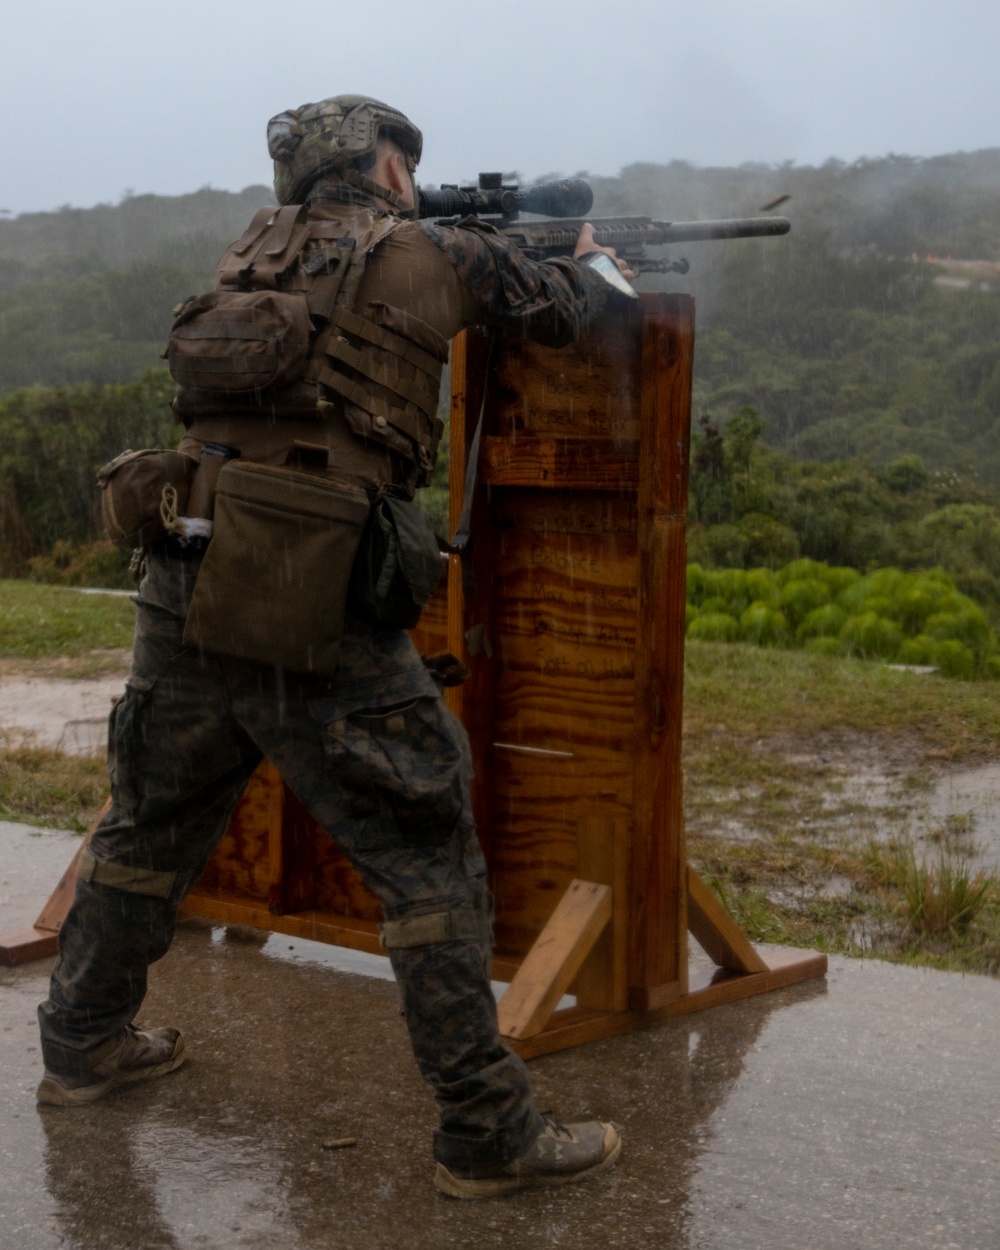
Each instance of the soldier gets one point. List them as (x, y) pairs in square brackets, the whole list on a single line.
[(371, 750)]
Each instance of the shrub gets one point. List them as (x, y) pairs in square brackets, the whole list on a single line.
[(762, 586), (799, 570), (838, 579), (953, 659), (919, 650), (944, 897), (889, 614), (763, 626), (871, 637), (824, 646), (798, 598), (968, 627), (823, 622), (714, 627), (83, 564)]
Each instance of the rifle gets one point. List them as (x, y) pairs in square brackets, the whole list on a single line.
[(501, 204)]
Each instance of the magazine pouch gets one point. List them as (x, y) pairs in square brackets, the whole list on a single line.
[(398, 565), (274, 581)]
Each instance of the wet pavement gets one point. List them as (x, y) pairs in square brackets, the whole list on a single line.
[(851, 1115)]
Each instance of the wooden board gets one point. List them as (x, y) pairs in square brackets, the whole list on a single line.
[(556, 957)]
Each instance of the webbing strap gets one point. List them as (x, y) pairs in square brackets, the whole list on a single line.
[(380, 373), (328, 230), (418, 931), (381, 337), (263, 363), (122, 877), (358, 180), (226, 330), (411, 426)]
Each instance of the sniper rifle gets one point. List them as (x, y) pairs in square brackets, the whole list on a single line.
[(500, 204)]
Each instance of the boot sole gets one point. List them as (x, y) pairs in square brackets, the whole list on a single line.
[(53, 1094), (497, 1186)]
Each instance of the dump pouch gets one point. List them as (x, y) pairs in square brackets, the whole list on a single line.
[(398, 565), (274, 581), (141, 491)]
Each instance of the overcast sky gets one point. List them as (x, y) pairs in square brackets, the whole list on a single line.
[(103, 96)]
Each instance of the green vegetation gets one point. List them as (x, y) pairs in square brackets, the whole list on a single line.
[(42, 622), (39, 786), (86, 294), (902, 618), (753, 506), (52, 442), (807, 784)]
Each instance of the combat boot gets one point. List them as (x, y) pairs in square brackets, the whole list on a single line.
[(138, 1057), (561, 1155)]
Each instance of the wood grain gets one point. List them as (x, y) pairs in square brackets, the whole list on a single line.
[(716, 932), (659, 894), (555, 958), (575, 1026)]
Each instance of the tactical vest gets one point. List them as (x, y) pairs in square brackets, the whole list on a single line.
[(280, 335)]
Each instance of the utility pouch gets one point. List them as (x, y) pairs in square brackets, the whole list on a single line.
[(274, 581), (141, 491), (398, 565), (234, 342)]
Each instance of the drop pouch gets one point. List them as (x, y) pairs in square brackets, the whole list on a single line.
[(274, 580), (140, 490), (398, 565)]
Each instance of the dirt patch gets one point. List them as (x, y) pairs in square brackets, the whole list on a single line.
[(64, 715), (103, 662)]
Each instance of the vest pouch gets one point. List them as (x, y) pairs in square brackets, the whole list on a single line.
[(398, 565), (273, 584), (141, 491), (233, 342)]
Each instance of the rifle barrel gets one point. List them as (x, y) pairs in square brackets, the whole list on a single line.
[(633, 232), (733, 228)]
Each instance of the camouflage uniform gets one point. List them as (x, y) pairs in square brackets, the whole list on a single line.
[(374, 755)]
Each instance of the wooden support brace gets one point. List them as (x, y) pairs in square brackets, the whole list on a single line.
[(24, 945), (716, 932), (554, 960)]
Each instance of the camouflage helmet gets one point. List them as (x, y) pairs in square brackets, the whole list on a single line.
[(329, 137)]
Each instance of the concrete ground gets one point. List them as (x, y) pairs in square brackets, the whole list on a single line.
[(854, 1114)]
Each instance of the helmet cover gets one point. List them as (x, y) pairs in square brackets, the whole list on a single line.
[(319, 139)]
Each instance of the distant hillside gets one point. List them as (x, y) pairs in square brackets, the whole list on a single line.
[(944, 205), (188, 229), (86, 294), (842, 338)]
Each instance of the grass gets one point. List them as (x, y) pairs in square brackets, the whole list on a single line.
[(749, 691), (50, 631), (40, 622), (39, 786), (806, 783)]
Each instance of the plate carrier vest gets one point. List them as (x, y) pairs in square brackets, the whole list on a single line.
[(280, 331)]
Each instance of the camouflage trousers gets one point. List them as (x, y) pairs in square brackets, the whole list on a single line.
[(380, 763)]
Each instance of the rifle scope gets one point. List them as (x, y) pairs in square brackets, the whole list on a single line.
[(571, 197)]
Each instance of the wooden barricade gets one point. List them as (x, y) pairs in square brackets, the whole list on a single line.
[(570, 616)]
